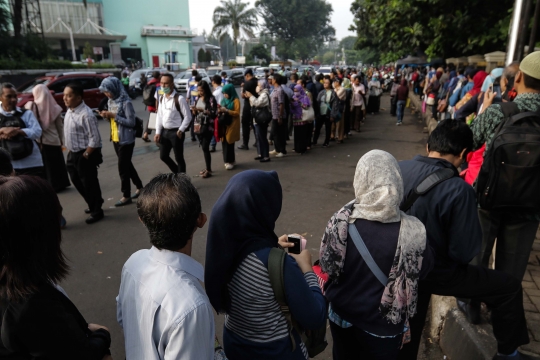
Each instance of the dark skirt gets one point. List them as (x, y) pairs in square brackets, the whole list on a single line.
[(55, 167), (374, 104), (301, 138)]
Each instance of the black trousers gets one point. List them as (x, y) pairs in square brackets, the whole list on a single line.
[(247, 120), (280, 135), (84, 176), (354, 343), (205, 141), (300, 138), (262, 143), (169, 140), (228, 152), (126, 169), (323, 120), (515, 237), (309, 132), (55, 167), (501, 292)]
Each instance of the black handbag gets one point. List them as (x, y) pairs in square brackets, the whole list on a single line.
[(262, 115), (224, 120)]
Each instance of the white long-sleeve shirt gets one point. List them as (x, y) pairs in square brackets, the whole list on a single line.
[(168, 116), (163, 308)]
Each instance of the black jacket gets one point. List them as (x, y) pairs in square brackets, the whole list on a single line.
[(449, 212), (334, 103), (251, 86), (47, 325)]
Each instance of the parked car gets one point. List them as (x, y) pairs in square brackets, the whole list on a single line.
[(235, 76), (214, 70), (181, 80), (259, 72), (56, 82), (325, 70), (135, 77)]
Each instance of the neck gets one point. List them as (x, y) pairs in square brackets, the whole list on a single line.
[(75, 106), (6, 110), (454, 160), (186, 249)]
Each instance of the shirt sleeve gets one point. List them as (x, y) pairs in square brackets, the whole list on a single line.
[(33, 129), (193, 337), (129, 119), (159, 120), (90, 124), (485, 124), (304, 297), (186, 113)]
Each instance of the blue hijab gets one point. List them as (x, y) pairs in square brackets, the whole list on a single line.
[(495, 73), (242, 221), (116, 88)]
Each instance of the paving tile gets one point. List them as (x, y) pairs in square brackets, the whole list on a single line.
[(532, 347), (529, 308), (528, 277), (529, 285)]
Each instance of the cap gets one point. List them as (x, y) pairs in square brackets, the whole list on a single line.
[(531, 65), (248, 71)]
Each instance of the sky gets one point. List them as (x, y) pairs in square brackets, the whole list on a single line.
[(200, 13)]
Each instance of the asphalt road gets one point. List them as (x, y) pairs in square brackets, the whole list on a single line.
[(314, 187)]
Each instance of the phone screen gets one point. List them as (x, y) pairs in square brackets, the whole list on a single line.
[(296, 241)]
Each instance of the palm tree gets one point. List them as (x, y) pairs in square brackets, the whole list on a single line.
[(235, 16)]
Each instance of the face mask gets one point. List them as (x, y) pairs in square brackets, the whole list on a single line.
[(166, 90)]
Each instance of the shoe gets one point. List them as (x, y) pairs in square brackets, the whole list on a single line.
[(136, 195), (87, 211), (146, 140), (94, 218), (265, 160), (325, 145), (280, 155), (471, 311), (518, 356), (206, 174), (254, 145), (213, 149), (242, 147), (63, 222), (398, 124), (229, 166), (273, 152), (193, 139), (258, 158), (123, 203)]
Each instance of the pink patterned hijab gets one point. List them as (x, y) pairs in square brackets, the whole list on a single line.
[(378, 188), (47, 108)]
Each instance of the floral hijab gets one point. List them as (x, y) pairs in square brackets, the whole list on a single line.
[(379, 191)]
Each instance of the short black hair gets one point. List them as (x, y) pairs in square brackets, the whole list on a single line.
[(327, 77), (530, 82), (216, 79), (198, 78), (156, 75), (6, 168), (318, 77), (77, 88), (170, 76), (223, 73), (303, 82), (169, 206), (7, 85), (277, 78), (194, 73), (450, 137), (337, 79), (294, 76), (30, 252), (283, 80)]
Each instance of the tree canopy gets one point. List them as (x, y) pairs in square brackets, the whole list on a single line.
[(260, 52), (437, 27), (234, 16)]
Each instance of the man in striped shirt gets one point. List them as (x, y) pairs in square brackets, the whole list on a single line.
[(83, 141)]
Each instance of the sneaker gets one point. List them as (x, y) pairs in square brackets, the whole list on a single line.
[(325, 145), (273, 152), (229, 166), (398, 124), (280, 155), (242, 147), (517, 356), (265, 160)]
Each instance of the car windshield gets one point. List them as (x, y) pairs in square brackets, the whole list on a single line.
[(136, 74), (28, 89), (324, 70), (213, 72), (184, 75)]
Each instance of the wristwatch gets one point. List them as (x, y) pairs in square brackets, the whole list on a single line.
[(86, 154)]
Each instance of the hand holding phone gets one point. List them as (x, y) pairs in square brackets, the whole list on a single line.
[(299, 243)]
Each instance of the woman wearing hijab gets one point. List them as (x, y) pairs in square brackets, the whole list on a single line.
[(121, 116), (471, 102), (402, 94), (367, 318), (261, 129), (299, 103), (338, 127), (231, 105), (374, 102), (490, 79), (240, 237), (48, 113)]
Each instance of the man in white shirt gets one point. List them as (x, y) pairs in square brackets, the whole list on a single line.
[(162, 305), (216, 85), (173, 119), (357, 103)]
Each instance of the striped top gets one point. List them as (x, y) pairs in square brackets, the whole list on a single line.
[(255, 319)]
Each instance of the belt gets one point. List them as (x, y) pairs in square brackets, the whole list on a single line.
[(175, 129)]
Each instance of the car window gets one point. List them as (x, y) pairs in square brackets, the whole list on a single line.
[(58, 86), (28, 89), (88, 83)]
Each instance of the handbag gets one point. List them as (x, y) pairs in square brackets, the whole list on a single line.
[(201, 124), (224, 120), (262, 115), (430, 99), (308, 114), (152, 121)]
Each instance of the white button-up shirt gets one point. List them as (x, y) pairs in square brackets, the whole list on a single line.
[(81, 129), (163, 308), (168, 116)]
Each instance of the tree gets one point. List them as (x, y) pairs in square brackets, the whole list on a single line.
[(88, 51), (208, 56), (260, 52), (201, 55), (328, 57), (234, 16), (348, 42)]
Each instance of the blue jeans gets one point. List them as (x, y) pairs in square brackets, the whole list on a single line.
[(400, 110), (213, 141)]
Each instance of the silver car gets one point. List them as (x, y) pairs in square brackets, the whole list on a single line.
[(181, 80)]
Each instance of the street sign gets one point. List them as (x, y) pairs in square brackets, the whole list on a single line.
[(240, 59), (98, 51)]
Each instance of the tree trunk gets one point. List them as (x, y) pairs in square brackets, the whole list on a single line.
[(17, 18)]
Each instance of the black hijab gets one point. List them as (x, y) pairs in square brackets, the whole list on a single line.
[(242, 221)]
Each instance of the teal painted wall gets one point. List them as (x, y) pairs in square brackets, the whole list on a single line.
[(129, 16)]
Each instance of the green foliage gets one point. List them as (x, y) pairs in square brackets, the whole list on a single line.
[(29, 64), (437, 27), (328, 57), (260, 52), (348, 42), (233, 16), (232, 64), (88, 51)]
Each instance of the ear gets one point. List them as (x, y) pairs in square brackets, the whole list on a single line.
[(427, 148), (201, 220), (462, 155), (519, 77)]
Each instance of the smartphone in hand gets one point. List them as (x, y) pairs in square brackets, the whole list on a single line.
[(296, 240)]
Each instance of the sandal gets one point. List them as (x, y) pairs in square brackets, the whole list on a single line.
[(207, 174), (202, 172)]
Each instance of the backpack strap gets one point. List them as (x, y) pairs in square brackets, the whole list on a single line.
[(276, 260), (366, 255), (426, 185)]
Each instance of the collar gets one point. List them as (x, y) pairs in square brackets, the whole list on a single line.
[(178, 261), (436, 162), (79, 108), (9, 113), (171, 96)]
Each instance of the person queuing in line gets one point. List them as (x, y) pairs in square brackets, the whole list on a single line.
[(224, 80), (311, 119), (83, 141), (192, 95), (218, 89), (121, 117), (154, 82), (38, 319), (230, 105), (300, 103), (393, 100), (240, 238), (162, 306), (261, 130), (205, 113), (49, 116), (338, 125), (19, 132), (449, 212), (329, 110), (359, 329), (402, 94), (250, 85), (288, 92), (279, 117), (375, 92), (172, 122), (357, 103)]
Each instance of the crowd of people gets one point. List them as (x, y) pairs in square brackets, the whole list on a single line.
[(382, 255)]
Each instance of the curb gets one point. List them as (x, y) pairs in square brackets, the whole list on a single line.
[(417, 103)]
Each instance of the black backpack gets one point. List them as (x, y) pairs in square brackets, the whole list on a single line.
[(19, 146), (149, 92), (509, 178)]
